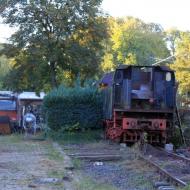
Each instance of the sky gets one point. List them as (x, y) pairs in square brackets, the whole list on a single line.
[(168, 13), (5, 32)]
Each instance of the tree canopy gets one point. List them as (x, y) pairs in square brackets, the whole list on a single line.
[(58, 41), (182, 62), (55, 35), (134, 42)]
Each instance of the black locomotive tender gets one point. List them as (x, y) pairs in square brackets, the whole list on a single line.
[(139, 99)]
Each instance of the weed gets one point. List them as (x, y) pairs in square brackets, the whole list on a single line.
[(56, 174), (77, 163), (77, 137), (54, 154), (186, 188), (15, 138), (89, 184)]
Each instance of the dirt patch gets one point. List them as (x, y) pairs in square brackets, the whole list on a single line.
[(23, 162)]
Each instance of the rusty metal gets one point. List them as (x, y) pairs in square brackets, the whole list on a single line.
[(5, 128), (114, 133), (151, 124), (113, 128), (164, 173)]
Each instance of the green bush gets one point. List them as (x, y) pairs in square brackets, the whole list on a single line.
[(69, 109)]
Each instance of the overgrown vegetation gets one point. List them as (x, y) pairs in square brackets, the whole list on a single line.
[(76, 137), (91, 185), (73, 109), (186, 188), (52, 37), (176, 138)]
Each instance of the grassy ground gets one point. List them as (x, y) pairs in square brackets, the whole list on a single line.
[(28, 161), (24, 162), (78, 137), (89, 184), (53, 162), (185, 188)]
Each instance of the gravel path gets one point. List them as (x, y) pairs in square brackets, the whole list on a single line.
[(27, 165), (127, 174)]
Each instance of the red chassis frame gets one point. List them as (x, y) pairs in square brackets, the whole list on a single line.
[(130, 129)]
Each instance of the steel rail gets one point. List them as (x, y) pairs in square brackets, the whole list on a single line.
[(187, 160), (163, 172)]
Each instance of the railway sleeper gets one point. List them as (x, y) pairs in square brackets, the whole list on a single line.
[(161, 185), (166, 188)]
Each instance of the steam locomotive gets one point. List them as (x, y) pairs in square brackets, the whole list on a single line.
[(139, 99)]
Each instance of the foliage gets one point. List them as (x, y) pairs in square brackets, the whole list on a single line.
[(186, 188), (176, 138), (172, 38), (182, 63), (69, 109), (134, 42), (76, 137), (90, 184), (55, 36), (27, 73), (5, 66)]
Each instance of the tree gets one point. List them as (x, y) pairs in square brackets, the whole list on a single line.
[(182, 63), (172, 38), (24, 75), (135, 42), (5, 66), (63, 34)]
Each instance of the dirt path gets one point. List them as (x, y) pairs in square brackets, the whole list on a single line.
[(26, 164), (44, 165)]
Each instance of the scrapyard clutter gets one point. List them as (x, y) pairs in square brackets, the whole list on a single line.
[(20, 111)]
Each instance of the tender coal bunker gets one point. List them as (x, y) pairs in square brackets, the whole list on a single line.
[(141, 83), (118, 76), (141, 80), (140, 93), (117, 94)]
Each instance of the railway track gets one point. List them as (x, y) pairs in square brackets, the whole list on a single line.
[(175, 169), (172, 168), (165, 174)]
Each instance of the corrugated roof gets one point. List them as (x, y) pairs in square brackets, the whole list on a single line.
[(7, 94), (31, 96)]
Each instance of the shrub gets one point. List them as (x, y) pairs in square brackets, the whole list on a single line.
[(69, 109)]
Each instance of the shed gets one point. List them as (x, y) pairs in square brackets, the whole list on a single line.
[(30, 101)]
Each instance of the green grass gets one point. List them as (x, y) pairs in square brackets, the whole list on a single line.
[(77, 163), (54, 154), (77, 137), (89, 184), (56, 174), (8, 139), (185, 188)]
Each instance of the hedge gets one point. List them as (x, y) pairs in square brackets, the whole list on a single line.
[(73, 109)]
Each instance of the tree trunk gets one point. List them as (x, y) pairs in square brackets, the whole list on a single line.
[(53, 75)]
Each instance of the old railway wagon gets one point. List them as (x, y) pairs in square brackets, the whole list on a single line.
[(8, 112), (139, 100), (14, 106)]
